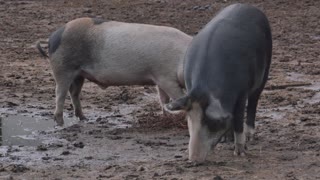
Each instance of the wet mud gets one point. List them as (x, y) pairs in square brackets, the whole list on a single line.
[(127, 137)]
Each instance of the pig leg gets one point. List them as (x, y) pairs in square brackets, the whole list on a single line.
[(252, 108), (61, 92), (239, 135), (251, 113), (164, 99), (74, 91), (172, 89), (64, 79)]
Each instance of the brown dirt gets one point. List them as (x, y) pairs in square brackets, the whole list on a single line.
[(287, 144)]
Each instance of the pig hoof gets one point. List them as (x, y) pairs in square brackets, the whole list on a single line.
[(194, 163), (249, 131), (240, 150), (83, 118), (59, 121)]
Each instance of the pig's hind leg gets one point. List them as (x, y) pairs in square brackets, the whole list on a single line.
[(64, 78), (239, 135), (74, 91), (249, 126), (253, 99)]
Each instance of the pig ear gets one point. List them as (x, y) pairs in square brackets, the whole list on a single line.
[(183, 103), (215, 111)]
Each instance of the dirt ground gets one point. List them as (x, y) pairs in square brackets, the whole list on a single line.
[(126, 136)]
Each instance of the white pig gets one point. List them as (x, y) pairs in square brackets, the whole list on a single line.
[(115, 54)]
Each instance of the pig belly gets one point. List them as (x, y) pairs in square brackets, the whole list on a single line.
[(105, 79)]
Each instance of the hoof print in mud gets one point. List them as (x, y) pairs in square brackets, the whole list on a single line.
[(65, 153), (42, 148), (217, 178), (17, 168), (46, 158), (78, 144)]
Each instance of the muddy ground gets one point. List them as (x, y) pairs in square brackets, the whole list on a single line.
[(126, 136)]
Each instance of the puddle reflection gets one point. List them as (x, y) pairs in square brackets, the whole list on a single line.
[(22, 130)]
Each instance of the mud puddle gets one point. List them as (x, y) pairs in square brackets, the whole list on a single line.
[(314, 99), (314, 86), (25, 131), (20, 128), (299, 77), (275, 113)]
